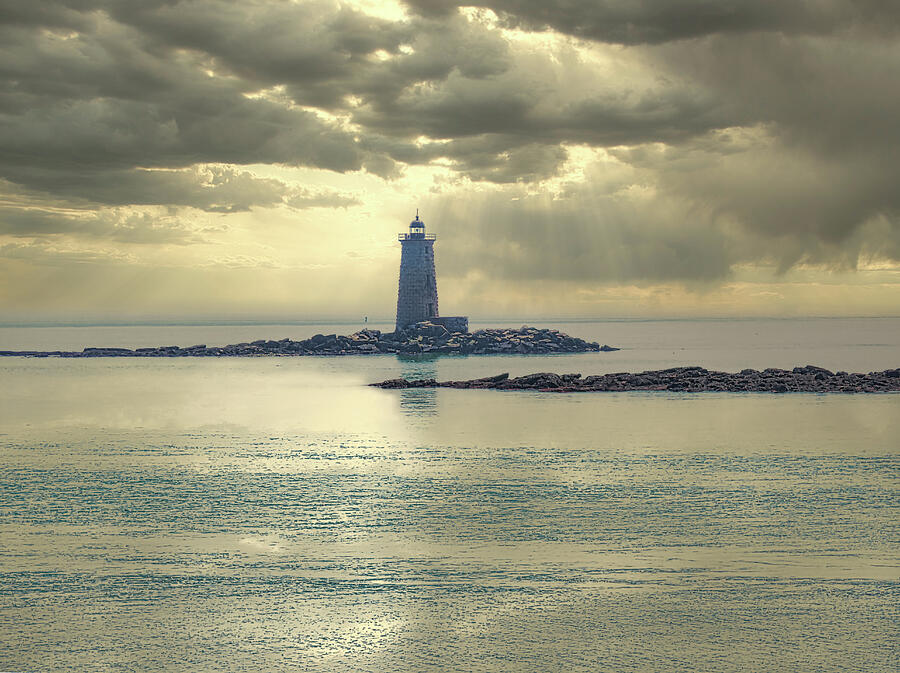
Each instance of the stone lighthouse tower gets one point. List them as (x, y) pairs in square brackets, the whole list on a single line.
[(417, 297)]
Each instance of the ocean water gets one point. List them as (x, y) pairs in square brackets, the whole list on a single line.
[(276, 514)]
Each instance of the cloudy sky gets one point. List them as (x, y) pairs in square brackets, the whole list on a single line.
[(256, 159)]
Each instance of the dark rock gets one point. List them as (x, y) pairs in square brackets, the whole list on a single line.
[(684, 379), (486, 382), (540, 381), (426, 337), (404, 383), (397, 383), (811, 369)]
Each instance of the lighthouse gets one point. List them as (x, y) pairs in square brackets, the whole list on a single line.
[(417, 296)]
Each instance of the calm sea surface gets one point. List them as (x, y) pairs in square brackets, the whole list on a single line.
[(276, 514)]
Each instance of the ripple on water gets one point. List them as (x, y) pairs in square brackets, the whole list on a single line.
[(603, 549)]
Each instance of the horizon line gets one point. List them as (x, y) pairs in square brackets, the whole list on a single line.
[(381, 320)]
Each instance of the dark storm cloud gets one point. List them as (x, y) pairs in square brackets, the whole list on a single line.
[(51, 13), (134, 91), (688, 214), (93, 93), (657, 21), (320, 49), (831, 95), (791, 206), (808, 187), (813, 182), (88, 109), (194, 121), (480, 159)]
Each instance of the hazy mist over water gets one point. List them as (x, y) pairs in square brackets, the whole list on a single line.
[(278, 514)]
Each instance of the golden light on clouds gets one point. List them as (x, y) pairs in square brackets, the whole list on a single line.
[(210, 159)]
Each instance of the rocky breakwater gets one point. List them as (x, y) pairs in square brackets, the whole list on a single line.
[(808, 379), (425, 337)]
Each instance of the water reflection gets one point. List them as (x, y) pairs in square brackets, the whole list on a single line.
[(183, 506), (419, 402)]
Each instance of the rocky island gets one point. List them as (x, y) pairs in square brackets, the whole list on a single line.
[(422, 337), (808, 379)]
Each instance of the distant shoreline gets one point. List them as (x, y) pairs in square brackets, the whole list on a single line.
[(383, 321)]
